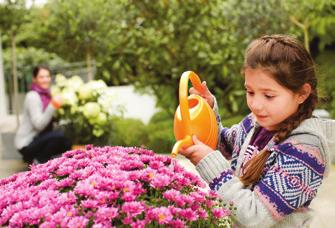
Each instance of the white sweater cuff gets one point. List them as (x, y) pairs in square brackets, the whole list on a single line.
[(212, 166)]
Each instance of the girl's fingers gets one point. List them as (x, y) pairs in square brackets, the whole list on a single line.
[(192, 90), (188, 152), (197, 141), (207, 95), (204, 85)]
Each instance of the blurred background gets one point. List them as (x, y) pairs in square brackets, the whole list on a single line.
[(140, 48), (147, 45)]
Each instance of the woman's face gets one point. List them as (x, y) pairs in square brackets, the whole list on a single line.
[(43, 79), (270, 102)]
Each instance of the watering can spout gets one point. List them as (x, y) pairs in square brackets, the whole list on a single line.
[(185, 142)]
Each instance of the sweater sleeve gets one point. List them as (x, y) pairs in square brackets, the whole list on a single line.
[(39, 118), (226, 135), (291, 183), (250, 211)]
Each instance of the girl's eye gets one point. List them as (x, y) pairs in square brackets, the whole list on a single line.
[(269, 97), (250, 93)]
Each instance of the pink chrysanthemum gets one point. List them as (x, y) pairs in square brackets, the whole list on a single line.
[(108, 187)]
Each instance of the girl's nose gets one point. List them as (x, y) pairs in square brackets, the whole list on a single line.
[(256, 105)]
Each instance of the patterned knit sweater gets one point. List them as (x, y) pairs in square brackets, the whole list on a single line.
[(289, 182)]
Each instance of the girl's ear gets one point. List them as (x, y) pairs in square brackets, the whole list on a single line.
[(304, 93)]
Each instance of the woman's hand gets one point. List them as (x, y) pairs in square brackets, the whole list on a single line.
[(208, 96), (196, 152), (56, 102)]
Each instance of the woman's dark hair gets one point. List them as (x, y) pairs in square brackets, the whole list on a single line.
[(291, 65), (37, 69)]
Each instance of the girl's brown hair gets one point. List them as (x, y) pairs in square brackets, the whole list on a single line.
[(290, 64)]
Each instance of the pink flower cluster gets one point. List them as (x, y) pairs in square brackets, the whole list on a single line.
[(109, 187)]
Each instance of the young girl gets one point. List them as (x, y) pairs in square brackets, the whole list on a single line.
[(35, 139), (279, 153)]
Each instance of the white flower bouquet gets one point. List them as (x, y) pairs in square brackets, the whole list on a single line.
[(86, 111)]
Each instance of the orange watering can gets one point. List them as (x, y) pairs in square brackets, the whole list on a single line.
[(193, 116)]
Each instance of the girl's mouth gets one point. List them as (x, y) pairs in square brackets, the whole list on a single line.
[(261, 117)]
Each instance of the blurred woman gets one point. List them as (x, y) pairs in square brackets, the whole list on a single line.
[(35, 139)]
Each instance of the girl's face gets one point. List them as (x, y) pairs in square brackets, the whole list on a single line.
[(270, 102), (43, 79)]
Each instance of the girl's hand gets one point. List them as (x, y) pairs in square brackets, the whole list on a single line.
[(196, 152), (208, 96)]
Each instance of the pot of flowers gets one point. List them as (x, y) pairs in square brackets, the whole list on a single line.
[(110, 187)]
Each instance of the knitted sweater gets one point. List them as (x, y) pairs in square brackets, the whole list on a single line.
[(291, 177), (34, 119)]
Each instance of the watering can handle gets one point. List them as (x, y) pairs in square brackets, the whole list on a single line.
[(183, 95), (184, 108)]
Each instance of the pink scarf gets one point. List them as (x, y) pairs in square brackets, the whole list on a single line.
[(44, 94)]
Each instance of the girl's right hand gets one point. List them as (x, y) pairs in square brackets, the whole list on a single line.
[(196, 152), (207, 95)]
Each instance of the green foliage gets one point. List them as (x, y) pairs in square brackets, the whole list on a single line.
[(157, 135), (314, 18), (160, 133), (162, 39), (12, 15), (151, 43), (326, 74), (73, 23), (128, 132), (176, 36), (83, 27), (228, 122)]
